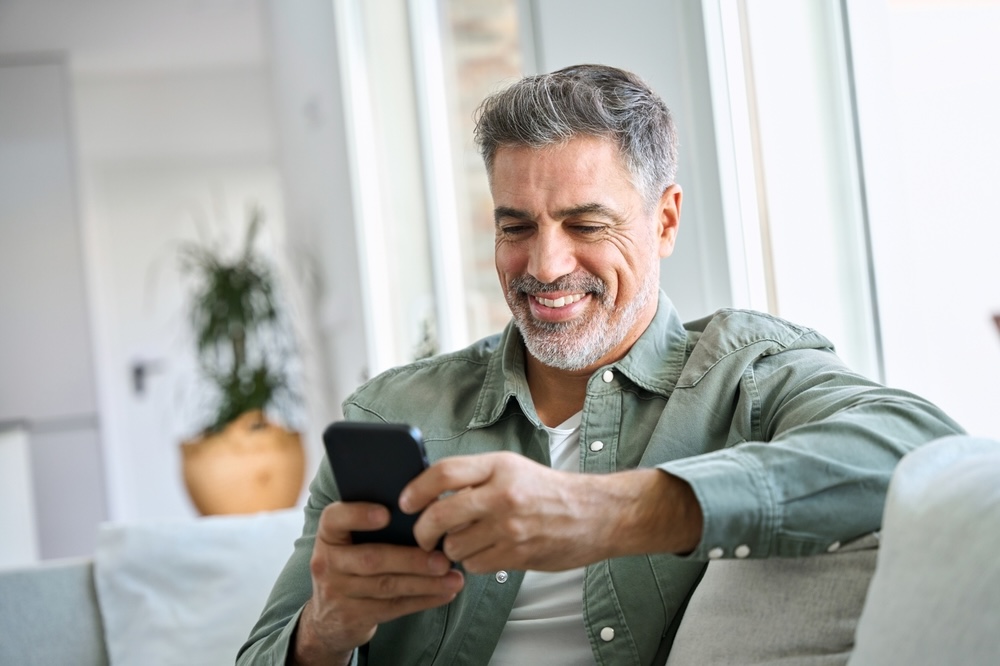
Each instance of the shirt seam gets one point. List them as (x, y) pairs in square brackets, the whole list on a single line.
[(782, 346)]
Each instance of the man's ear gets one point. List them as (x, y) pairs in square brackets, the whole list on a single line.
[(668, 217)]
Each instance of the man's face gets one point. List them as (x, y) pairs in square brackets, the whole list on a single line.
[(577, 253)]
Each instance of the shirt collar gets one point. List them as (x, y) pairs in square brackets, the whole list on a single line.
[(653, 363)]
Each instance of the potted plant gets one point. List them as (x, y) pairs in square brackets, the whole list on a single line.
[(242, 461)]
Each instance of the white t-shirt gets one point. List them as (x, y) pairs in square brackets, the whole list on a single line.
[(545, 625)]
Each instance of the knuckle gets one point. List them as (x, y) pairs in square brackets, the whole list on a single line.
[(510, 459), (326, 523), (317, 565), (448, 476), (434, 525), (451, 549), (514, 528), (511, 497), (369, 560), (386, 586), (331, 513)]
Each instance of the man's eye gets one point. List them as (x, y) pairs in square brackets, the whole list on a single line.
[(588, 228), (514, 229)]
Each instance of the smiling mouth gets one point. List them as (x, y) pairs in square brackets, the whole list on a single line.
[(562, 301)]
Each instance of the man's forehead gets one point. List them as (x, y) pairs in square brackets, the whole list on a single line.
[(582, 171)]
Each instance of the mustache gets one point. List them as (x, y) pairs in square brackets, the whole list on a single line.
[(585, 282)]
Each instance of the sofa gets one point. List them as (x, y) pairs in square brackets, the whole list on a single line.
[(925, 590), (182, 592)]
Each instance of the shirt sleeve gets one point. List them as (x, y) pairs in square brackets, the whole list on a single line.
[(808, 457), (272, 638)]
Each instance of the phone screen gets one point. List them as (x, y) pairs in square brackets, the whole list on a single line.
[(372, 462)]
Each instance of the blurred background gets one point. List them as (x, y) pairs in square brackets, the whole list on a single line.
[(838, 157)]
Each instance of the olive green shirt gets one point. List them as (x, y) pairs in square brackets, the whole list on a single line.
[(786, 449)]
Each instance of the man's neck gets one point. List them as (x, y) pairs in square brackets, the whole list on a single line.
[(556, 394)]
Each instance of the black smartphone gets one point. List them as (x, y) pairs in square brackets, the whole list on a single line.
[(372, 462)]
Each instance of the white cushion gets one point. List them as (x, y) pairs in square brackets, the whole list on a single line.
[(935, 596), (188, 592)]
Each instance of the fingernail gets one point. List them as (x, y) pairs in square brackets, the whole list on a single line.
[(404, 502)]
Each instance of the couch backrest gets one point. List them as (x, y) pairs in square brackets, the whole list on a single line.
[(49, 615)]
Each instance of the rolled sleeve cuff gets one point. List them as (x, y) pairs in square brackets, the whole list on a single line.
[(738, 508)]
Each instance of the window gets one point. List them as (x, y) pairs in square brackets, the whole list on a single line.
[(416, 71), (790, 168), (928, 103)]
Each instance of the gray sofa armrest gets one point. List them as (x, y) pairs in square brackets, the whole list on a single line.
[(49, 615), (778, 611)]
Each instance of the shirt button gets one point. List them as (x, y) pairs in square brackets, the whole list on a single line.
[(608, 376), (607, 634), (501, 577), (833, 547), (596, 446), (715, 553), (742, 551)]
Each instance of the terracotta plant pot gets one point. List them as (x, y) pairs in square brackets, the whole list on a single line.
[(252, 465)]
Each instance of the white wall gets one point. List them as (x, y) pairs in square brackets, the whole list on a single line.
[(936, 253), (46, 333), (165, 158), (17, 499), (46, 383), (209, 113)]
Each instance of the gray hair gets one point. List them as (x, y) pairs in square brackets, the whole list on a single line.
[(591, 100)]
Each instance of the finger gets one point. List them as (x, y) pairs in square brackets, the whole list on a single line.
[(390, 609), (451, 514), (487, 560), (377, 558), (395, 586), (447, 475), (357, 619), (471, 540), (339, 519)]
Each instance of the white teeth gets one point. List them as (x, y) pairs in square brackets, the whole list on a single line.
[(559, 302)]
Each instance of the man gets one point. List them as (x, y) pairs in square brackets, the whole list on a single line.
[(594, 456)]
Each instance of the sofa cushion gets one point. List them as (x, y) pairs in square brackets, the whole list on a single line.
[(188, 592), (935, 596), (49, 615), (784, 611)]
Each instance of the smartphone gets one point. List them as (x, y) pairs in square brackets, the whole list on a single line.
[(372, 462)]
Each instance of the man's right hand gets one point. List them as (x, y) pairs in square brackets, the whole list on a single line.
[(358, 587)]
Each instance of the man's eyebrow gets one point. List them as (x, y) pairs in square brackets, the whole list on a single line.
[(501, 212), (588, 209)]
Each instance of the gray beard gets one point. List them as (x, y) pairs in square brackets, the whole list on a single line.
[(575, 345)]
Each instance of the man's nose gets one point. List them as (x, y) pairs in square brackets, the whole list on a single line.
[(551, 256)]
